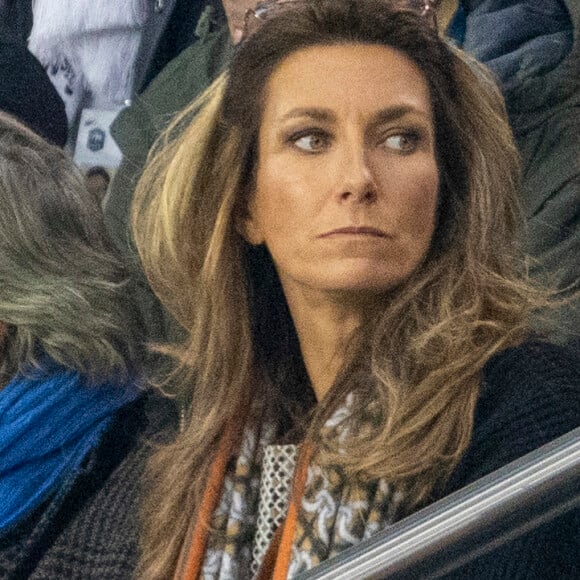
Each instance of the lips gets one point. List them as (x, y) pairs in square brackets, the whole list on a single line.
[(355, 231)]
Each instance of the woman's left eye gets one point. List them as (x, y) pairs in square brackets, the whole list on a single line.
[(403, 142)]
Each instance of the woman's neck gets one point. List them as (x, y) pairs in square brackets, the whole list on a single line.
[(325, 329)]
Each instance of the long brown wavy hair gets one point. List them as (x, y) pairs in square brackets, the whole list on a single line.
[(421, 357), (63, 287)]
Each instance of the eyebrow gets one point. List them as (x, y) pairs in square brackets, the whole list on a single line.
[(386, 115), (393, 113), (318, 114)]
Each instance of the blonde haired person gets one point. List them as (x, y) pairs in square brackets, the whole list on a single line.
[(72, 411), (334, 224)]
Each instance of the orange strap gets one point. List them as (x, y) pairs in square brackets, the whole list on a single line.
[(266, 571), (195, 544)]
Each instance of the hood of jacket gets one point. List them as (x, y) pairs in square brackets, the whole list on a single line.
[(533, 48)]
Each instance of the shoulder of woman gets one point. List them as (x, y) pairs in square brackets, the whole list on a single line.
[(533, 386), (530, 395), (532, 370)]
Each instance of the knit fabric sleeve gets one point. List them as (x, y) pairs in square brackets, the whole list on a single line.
[(530, 396)]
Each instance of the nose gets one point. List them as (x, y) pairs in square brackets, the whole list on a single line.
[(356, 182)]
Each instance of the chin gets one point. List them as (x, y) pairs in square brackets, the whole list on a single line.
[(371, 278), (366, 286)]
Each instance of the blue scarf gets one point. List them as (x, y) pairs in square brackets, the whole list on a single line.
[(48, 425)]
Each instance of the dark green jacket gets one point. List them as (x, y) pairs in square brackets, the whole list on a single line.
[(135, 131)]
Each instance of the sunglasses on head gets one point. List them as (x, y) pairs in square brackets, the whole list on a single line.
[(263, 11)]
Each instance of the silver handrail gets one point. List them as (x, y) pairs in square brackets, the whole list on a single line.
[(470, 522)]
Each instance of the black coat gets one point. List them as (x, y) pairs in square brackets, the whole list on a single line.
[(26, 91)]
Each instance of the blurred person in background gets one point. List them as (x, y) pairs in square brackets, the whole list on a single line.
[(163, 89), (26, 91), (73, 411), (334, 224), (88, 48), (533, 49)]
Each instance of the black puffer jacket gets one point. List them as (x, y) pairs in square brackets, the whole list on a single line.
[(26, 91), (533, 47)]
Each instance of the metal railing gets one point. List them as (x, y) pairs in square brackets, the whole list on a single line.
[(470, 522)]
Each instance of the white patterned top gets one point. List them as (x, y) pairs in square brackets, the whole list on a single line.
[(278, 468)]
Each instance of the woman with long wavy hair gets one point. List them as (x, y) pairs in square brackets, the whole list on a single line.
[(334, 223), (71, 406)]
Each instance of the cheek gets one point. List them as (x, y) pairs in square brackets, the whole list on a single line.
[(422, 212), (415, 199), (284, 200)]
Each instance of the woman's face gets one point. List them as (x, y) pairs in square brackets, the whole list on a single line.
[(347, 178)]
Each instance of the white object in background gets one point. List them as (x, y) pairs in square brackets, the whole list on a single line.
[(95, 145)]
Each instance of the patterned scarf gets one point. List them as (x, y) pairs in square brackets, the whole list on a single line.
[(325, 514)]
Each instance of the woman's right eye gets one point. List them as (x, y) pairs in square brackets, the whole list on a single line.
[(310, 142)]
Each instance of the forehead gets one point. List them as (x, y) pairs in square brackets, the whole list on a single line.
[(346, 77)]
